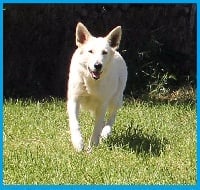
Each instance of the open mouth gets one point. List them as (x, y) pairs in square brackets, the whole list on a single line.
[(95, 74)]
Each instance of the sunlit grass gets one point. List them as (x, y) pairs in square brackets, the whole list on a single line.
[(152, 143)]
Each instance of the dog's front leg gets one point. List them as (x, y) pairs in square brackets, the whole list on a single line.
[(99, 122), (76, 137)]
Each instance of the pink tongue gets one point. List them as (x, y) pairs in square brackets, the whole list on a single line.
[(96, 75)]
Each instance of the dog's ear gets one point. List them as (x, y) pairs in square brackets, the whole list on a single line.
[(114, 37), (82, 34)]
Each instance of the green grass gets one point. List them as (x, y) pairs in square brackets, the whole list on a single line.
[(151, 144)]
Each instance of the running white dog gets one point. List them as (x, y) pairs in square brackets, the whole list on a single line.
[(97, 79)]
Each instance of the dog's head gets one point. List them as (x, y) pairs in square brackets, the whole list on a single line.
[(97, 53)]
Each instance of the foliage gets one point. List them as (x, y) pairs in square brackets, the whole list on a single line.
[(39, 42)]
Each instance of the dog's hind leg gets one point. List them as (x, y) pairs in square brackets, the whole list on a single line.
[(99, 123), (114, 106), (107, 129)]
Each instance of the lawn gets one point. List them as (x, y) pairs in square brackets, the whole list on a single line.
[(152, 143)]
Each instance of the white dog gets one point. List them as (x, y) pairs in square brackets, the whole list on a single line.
[(97, 79)]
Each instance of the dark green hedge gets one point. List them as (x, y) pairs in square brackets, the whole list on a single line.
[(158, 40)]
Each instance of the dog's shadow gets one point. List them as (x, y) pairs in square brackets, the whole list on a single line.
[(134, 139)]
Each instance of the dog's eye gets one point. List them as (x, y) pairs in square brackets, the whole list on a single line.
[(104, 52), (90, 51)]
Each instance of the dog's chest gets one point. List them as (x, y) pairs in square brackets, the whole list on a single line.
[(93, 88), (90, 97), (93, 94)]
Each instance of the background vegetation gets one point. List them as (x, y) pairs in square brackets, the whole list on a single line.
[(158, 44)]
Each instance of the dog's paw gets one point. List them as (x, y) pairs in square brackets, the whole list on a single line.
[(89, 150), (106, 131), (77, 142)]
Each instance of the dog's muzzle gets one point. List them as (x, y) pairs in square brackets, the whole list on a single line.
[(96, 72)]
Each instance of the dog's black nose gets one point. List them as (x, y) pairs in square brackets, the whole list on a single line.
[(98, 66)]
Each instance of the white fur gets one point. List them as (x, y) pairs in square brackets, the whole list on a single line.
[(96, 95)]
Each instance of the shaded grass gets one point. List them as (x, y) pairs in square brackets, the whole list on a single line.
[(151, 144), (137, 141)]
